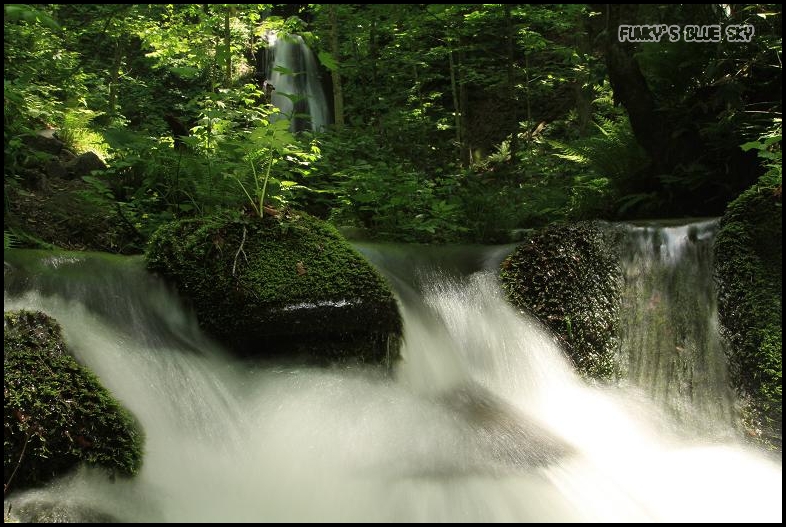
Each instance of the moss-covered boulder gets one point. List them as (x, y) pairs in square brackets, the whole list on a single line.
[(56, 414), (568, 276), (287, 285), (748, 269)]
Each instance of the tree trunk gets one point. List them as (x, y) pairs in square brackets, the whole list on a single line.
[(114, 78), (466, 148), (454, 92), (228, 48), (373, 50), (530, 127), (632, 91), (514, 118), (338, 94)]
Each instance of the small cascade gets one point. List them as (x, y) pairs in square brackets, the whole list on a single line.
[(482, 420), (293, 71), (670, 339)]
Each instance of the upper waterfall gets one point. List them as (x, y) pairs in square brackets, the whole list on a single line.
[(293, 71)]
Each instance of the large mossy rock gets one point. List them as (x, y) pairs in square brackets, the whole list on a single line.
[(568, 276), (56, 414), (279, 286), (748, 269)]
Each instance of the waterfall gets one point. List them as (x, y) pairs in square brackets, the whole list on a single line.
[(670, 339), (482, 420), (293, 71)]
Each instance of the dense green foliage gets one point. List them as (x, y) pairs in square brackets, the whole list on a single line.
[(279, 286), (749, 259), (453, 122), (568, 277), (56, 414)]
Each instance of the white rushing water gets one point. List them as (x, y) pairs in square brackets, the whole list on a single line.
[(482, 420), (293, 71)]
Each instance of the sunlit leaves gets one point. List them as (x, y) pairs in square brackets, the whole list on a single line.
[(273, 136)]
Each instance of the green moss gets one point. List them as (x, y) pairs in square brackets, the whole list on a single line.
[(267, 286), (748, 269), (57, 411), (568, 276)]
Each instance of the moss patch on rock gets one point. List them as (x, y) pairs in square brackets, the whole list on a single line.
[(568, 276), (288, 285), (748, 269), (56, 414)]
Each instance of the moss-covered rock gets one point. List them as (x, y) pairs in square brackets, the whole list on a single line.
[(748, 269), (56, 414), (286, 285), (568, 276)]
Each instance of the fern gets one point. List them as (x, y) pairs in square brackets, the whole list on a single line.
[(18, 238), (10, 240), (77, 134), (502, 153), (613, 152), (569, 153)]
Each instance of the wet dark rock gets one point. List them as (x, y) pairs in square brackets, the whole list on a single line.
[(568, 277), (84, 164)]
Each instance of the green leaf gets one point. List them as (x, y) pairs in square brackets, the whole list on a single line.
[(275, 135), (291, 96), (751, 145), (328, 60), (16, 12), (284, 71), (186, 72)]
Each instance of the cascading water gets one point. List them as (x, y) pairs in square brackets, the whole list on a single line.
[(292, 70), (670, 336), (483, 419)]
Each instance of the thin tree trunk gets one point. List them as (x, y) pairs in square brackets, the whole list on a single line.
[(228, 48), (514, 118), (338, 93), (454, 92), (373, 51), (114, 78), (529, 99), (466, 148)]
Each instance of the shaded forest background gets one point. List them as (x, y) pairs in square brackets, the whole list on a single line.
[(451, 122)]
